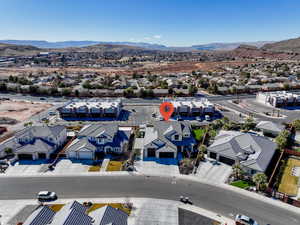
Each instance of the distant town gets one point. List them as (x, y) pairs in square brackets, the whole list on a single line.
[(83, 138)]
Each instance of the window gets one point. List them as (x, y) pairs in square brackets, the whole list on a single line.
[(176, 137), (186, 135)]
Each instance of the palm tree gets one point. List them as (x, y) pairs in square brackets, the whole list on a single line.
[(282, 139), (237, 171), (260, 179), (200, 155)]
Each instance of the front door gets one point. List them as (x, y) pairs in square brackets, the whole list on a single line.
[(151, 152)]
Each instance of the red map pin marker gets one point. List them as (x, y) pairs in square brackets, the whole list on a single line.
[(166, 109)]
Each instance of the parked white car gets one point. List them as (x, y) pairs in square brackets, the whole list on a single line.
[(244, 220), (46, 196)]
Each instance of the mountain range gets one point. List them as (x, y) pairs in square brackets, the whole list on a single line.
[(67, 44), (287, 49)]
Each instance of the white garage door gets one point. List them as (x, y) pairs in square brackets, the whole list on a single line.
[(85, 155)]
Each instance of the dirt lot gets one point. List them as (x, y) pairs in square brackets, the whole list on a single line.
[(143, 68), (21, 110), (156, 68), (216, 66)]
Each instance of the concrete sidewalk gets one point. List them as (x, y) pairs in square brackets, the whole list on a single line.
[(145, 211)]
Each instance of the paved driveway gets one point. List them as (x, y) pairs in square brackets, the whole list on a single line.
[(211, 171), (157, 169)]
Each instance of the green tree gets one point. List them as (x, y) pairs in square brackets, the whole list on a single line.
[(66, 92), (192, 90), (296, 124), (260, 179), (33, 89), (201, 154), (53, 91), (249, 123), (282, 139), (3, 87), (217, 124), (28, 124), (128, 92), (237, 171), (8, 151), (87, 85), (286, 86), (233, 90)]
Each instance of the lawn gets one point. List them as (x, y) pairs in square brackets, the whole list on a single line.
[(94, 168), (288, 183), (241, 184), (199, 133), (114, 166)]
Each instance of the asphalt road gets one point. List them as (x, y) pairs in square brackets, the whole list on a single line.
[(222, 201), (290, 115), (126, 101), (130, 101)]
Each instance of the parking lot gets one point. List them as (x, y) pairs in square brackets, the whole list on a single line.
[(142, 114), (258, 110)]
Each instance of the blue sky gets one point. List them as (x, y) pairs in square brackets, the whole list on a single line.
[(169, 22)]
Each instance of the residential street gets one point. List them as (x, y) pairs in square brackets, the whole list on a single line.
[(217, 199)]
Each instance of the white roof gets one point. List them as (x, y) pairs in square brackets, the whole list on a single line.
[(268, 125), (103, 103), (192, 103)]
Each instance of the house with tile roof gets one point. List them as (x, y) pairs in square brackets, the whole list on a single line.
[(253, 152), (36, 142)]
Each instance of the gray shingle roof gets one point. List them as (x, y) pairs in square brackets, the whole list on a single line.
[(94, 130), (81, 144), (75, 213), (109, 215), (72, 213), (161, 129), (253, 151), (41, 131), (37, 146), (41, 216)]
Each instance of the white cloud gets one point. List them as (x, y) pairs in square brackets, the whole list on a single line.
[(157, 36)]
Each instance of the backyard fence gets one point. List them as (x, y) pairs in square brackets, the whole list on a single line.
[(292, 152), (283, 197), (271, 180)]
